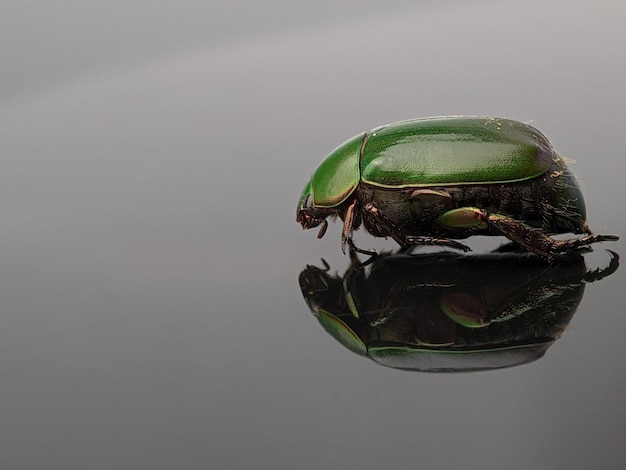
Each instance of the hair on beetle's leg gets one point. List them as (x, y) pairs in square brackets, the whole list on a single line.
[(572, 244), (536, 240), (529, 238)]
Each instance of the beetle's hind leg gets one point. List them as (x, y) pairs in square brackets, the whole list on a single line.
[(537, 241), (530, 238), (387, 226)]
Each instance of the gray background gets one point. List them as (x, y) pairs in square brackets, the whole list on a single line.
[(151, 157)]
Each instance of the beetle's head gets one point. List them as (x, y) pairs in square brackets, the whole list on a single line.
[(331, 185), (310, 216)]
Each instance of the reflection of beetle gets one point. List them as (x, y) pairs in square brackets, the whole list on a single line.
[(450, 312), (427, 181)]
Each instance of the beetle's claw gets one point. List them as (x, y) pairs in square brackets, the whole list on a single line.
[(601, 273), (353, 248), (455, 245), (606, 238), (461, 246)]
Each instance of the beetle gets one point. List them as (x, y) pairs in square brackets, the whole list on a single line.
[(450, 312), (432, 181)]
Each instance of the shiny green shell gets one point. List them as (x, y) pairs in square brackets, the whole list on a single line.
[(442, 151), (413, 357)]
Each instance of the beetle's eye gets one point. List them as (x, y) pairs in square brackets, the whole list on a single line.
[(308, 202)]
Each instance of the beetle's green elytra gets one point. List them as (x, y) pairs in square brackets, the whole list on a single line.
[(455, 151), (341, 332), (432, 180)]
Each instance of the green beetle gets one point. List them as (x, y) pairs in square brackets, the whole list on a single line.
[(450, 312), (430, 181)]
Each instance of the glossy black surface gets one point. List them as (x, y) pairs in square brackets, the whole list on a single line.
[(151, 158)]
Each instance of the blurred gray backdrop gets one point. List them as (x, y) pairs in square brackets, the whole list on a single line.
[(151, 158)]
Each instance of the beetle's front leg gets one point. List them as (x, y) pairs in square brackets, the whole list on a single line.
[(348, 228), (407, 241)]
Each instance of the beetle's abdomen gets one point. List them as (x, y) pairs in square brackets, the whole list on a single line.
[(454, 151)]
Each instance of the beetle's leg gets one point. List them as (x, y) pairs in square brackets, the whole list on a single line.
[(566, 246), (353, 247), (530, 238), (346, 232), (408, 241), (446, 242), (537, 241), (601, 273)]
